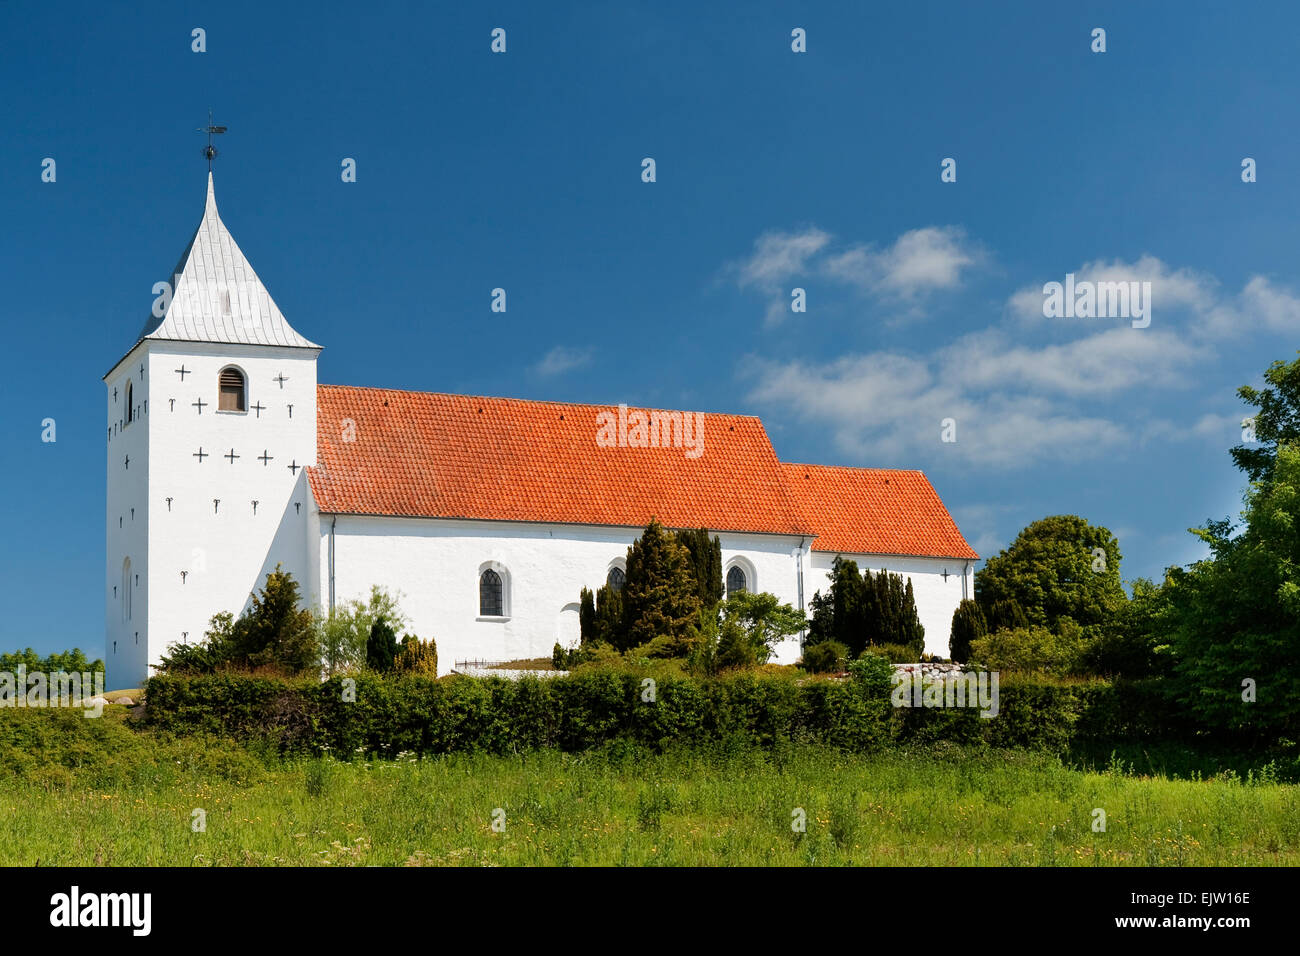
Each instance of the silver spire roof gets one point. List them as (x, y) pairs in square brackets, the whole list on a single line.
[(216, 295)]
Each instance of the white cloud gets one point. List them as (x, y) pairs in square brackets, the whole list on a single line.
[(1016, 399), (562, 359), (892, 406), (918, 262), (779, 257), (1191, 300), (1098, 365)]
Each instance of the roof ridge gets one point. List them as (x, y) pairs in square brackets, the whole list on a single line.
[(809, 464), (538, 401)]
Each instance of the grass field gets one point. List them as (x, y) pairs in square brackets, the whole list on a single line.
[(82, 792)]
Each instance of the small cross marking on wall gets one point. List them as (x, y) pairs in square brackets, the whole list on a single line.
[(291, 411), (264, 458), (254, 507), (281, 378), (169, 504), (184, 575), (216, 503), (945, 574), (173, 401), (127, 461), (294, 467), (200, 455), (183, 371), (232, 456), (199, 405), (259, 408)]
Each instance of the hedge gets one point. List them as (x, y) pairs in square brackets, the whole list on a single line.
[(420, 715)]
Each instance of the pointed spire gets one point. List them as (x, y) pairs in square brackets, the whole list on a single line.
[(216, 296)]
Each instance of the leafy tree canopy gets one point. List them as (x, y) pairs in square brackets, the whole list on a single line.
[(1058, 567)]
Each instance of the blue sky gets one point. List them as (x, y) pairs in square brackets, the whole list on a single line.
[(775, 170)]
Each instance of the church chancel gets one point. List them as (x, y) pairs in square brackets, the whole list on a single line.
[(488, 515)]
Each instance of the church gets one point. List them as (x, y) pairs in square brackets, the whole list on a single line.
[(487, 516)]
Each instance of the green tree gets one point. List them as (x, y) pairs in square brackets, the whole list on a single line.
[(73, 661), (736, 650), (968, 624), (275, 632), (862, 610), (417, 657), (821, 623), (1277, 421), (381, 646), (587, 617), (345, 632), (610, 618), (1004, 614), (1235, 617), (847, 604), (705, 562), (660, 597), (763, 620), (1058, 567), (1136, 644)]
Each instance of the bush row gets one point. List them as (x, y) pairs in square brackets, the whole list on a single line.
[(414, 714)]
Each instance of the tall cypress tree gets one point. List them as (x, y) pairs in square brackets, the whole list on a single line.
[(609, 623), (705, 564), (968, 625), (849, 597), (587, 617), (660, 596)]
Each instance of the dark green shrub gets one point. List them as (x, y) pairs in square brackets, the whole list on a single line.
[(899, 653), (968, 625), (381, 647), (824, 658), (874, 670)]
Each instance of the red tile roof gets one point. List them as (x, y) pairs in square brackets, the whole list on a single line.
[(874, 511), (425, 454)]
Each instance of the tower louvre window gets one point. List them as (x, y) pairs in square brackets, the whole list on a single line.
[(233, 393)]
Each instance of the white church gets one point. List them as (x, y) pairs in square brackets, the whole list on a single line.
[(487, 515)]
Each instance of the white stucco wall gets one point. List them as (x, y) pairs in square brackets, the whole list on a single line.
[(435, 564), (226, 549), (936, 599), (126, 521)]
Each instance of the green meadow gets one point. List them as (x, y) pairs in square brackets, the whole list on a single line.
[(97, 792)]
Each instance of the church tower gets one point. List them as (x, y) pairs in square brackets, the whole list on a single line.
[(211, 419)]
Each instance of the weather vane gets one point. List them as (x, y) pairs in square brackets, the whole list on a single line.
[(210, 151)]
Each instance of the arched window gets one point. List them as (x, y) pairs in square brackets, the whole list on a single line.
[(490, 603), (736, 580), (130, 403), (232, 396), (615, 578)]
